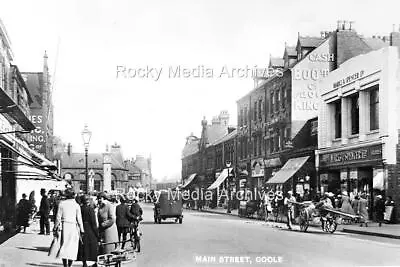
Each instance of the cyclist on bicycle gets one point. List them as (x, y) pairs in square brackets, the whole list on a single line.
[(137, 213)]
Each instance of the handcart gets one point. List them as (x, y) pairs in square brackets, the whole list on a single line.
[(328, 217)]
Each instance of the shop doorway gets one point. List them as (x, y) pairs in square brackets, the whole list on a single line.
[(333, 181), (365, 178)]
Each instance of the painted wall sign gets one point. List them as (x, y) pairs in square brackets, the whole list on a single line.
[(352, 156), (37, 139)]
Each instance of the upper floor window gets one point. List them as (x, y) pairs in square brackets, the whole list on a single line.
[(245, 116), (260, 110), (355, 114), (374, 108), (338, 118)]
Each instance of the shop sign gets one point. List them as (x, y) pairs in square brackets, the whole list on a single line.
[(352, 156), (348, 79)]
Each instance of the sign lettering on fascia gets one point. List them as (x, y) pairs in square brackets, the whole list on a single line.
[(348, 79)]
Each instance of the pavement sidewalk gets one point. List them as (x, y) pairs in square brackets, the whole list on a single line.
[(29, 249), (386, 230)]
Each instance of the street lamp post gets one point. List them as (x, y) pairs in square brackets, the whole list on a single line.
[(86, 135), (228, 165)]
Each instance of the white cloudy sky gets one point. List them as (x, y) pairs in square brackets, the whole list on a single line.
[(95, 36)]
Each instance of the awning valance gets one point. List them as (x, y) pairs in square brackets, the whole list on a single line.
[(189, 180), (288, 170), (221, 178)]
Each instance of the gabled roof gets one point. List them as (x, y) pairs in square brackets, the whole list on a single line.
[(308, 41), (95, 161), (276, 62)]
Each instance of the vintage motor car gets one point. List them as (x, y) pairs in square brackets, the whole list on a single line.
[(168, 204)]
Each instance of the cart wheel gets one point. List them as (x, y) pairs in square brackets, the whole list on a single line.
[(304, 221), (180, 220)]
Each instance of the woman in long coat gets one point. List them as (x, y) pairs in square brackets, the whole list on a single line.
[(363, 209), (88, 250), (69, 219), (346, 206), (107, 226)]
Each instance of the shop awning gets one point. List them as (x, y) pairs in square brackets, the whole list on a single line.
[(221, 178), (288, 170), (189, 180), (9, 107), (34, 156)]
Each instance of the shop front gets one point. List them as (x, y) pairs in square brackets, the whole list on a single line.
[(257, 173), (354, 170), (293, 176)]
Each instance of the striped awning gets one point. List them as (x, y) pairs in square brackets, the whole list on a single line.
[(288, 170), (221, 178)]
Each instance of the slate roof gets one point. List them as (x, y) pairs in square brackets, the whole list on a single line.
[(308, 41), (375, 43), (349, 45), (291, 51), (190, 149), (215, 132), (276, 62), (95, 161), (225, 138), (34, 83)]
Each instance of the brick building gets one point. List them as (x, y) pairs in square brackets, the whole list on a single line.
[(199, 154)]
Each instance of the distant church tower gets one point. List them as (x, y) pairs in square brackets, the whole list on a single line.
[(107, 170)]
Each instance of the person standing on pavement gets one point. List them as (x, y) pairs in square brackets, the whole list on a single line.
[(379, 209), (346, 206), (289, 204), (107, 227), (24, 209), (69, 221), (363, 209), (124, 217), (44, 211), (88, 249)]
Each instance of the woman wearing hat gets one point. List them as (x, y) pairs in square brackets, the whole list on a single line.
[(363, 209), (107, 227), (88, 248), (69, 220), (346, 206)]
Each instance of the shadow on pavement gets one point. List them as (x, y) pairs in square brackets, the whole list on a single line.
[(43, 249)]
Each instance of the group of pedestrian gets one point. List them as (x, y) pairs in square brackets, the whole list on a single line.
[(81, 224)]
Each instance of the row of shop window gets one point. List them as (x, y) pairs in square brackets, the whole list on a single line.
[(355, 112)]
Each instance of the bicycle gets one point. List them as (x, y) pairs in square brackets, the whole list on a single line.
[(116, 257), (135, 235)]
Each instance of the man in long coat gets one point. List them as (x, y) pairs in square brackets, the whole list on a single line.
[(44, 211)]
